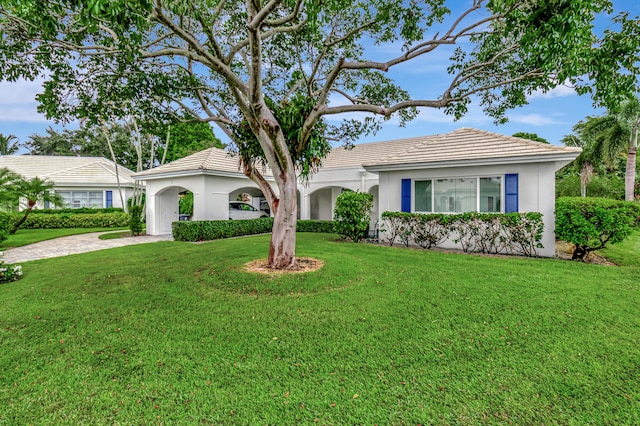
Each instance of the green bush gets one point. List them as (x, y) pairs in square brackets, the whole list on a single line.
[(592, 223), (9, 273), (512, 233), (352, 214), (316, 226), (206, 230), (607, 186), (36, 220), (6, 223), (135, 220)]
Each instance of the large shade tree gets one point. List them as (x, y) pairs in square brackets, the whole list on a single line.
[(249, 65)]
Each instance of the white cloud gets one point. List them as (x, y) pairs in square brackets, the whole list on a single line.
[(559, 91), (18, 103), (533, 119)]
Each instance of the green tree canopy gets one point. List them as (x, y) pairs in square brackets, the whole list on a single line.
[(185, 139), (530, 136)]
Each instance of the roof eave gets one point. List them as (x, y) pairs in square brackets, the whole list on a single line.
[(561, 159), (193, 172)]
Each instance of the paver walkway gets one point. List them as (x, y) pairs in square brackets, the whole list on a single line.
[(74, 244)]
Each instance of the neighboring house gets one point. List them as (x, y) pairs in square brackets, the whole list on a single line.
[(81, 181), (465, 170)]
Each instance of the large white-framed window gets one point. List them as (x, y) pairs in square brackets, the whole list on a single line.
[(458, 195), (79, 199)]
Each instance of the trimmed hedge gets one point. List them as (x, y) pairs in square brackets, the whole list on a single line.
[(81, 210), (592, 223), (206, 230), (509, 233), (36, 220), (317, 226)]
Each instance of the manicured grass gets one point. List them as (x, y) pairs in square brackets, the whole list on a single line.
[(25, 237), (626, 253), (177, 333)]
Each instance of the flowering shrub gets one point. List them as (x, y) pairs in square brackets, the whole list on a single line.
[(9, 273), (509, 233)]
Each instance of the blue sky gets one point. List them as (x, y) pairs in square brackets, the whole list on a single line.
[(551, 115)]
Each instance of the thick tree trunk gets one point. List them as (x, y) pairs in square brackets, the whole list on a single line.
[(282, 248), (630, 175)]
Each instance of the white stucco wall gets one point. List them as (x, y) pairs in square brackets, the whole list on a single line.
[(536, 190), (210, 198), (318, 196)]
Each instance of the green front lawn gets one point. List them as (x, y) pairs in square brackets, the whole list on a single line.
[(25, 237), (177, 333)]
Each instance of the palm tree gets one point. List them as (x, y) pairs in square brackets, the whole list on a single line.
[(613, 134), (8, 193), (8, 144), (34, 190)]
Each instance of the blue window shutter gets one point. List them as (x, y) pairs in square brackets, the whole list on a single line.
[(47, 204), (406, 195), (511, 193), (109, 197)]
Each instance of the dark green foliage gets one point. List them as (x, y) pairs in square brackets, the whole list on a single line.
[(352, 215), (36, 220), (291, 114), (592, 223), (600, 186), (530, 136), (185, 138), (81, 210), (511, 233), (185, 203), (5, 225), (317, 226), (135, 219), (205, 230)]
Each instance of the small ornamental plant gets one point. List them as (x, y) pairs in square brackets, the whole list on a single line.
[(9, 273)]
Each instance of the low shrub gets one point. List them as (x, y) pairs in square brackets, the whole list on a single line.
[(81, 210), (592, 223), (135, 219), (36, 220), (316, 226), (206, 230), (9, 273), (510, 233), (6, 223), (352, 215)]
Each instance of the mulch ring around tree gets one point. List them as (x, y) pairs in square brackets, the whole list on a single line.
[(564, 251), (303, 264)]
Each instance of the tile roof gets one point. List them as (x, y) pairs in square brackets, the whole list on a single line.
[(467, 144), (67, 170), (459, 145), (213, 159)]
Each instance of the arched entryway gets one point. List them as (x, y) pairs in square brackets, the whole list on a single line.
[(165, 205), (322, 202)]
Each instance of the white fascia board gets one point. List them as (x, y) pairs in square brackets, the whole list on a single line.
[(560, 160), (197, 172)]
